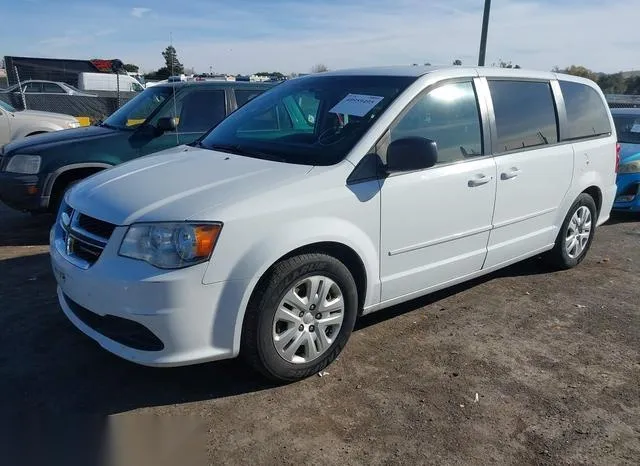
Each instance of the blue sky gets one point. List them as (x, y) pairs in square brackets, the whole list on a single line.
[(292, 35)]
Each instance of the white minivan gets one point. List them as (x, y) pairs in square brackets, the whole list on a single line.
[(328, 197)]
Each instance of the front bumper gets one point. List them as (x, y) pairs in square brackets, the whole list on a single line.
[(22, 192), (117, 300), (628, 193)]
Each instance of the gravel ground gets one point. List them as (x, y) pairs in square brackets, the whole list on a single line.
[(526, 366)]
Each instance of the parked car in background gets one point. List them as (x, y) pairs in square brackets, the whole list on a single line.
[(35, 173), (17, 124), (108, 82), (46, 87), (627, 122), (331, 196)]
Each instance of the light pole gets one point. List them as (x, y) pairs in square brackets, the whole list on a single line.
[(485, 29)]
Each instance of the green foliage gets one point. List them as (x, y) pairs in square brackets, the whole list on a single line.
[(615, 83), (131, 68), (171, 61)]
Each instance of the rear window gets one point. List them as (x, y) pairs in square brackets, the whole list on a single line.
[(525, 114), (628, 128), (587, 114)]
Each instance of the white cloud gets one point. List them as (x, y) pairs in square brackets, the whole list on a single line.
[(139, 12)]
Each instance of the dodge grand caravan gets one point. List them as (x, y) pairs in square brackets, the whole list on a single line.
[(328, 197), (36, 172)]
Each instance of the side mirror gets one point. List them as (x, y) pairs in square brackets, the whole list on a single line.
[(411, 153), (166, 124)]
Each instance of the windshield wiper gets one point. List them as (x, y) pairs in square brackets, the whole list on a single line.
[(236, 149)]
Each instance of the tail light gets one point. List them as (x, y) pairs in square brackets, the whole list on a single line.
[(617, 156)]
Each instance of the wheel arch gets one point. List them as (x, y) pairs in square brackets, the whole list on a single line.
[(343, 240), (596, 193), (69, 173)]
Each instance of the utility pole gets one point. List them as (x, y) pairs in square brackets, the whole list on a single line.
[(485, 29)]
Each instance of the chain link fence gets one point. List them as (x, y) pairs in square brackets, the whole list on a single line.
[(88, 110), (623, 101)]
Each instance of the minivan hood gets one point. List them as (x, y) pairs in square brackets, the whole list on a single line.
[(36, 144), (177, 185)]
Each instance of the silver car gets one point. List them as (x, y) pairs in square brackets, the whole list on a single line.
[(46, 87), (16, 124)]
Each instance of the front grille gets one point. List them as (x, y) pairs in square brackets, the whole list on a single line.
[(95, 226), (123, 331), (81, 238)]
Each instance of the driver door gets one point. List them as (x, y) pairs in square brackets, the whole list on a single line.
[(435, 223)]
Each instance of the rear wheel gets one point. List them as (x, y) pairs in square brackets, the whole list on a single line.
[(576, 234), (300, 318)]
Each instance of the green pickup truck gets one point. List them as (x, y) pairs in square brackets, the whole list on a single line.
[(36, 172)]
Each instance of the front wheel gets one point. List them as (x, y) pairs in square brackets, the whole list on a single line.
[(300, 317), (576, 234)]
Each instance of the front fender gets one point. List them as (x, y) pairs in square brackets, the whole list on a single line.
[(271, 246)]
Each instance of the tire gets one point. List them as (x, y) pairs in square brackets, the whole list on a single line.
[(562, 256), (264, 327)]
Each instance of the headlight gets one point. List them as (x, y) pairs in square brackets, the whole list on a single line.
[(23, 164), (631, 167), (73, 124), (170, 245)]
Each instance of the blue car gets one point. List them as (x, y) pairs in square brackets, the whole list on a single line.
[(627, 122)]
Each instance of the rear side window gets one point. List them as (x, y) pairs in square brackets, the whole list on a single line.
[(525, 114), (197, 109), (587, 115), (52, 88), (245, 95)]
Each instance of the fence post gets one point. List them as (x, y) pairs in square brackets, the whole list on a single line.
[(118, 88), (24, 100)]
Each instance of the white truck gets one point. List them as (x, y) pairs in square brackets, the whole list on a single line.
[(108, 82)]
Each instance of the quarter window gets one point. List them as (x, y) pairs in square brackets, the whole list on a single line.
[(449, 116), (525, 114), (587, 115)]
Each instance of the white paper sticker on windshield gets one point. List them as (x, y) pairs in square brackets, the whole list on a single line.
[(635, 128), (356, 104)]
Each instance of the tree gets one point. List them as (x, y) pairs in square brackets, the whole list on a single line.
[(172, 63), (457, 62), (505, 64), (633, 85), (319, 68), (427, 64), (613, 83), (580, 71), (131, 68)]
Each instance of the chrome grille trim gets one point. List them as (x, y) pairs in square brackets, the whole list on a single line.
[(77, 245)]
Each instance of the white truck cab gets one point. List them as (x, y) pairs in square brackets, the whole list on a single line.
[(328, 197)]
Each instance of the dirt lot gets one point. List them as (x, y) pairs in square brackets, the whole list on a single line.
[(554, 359)]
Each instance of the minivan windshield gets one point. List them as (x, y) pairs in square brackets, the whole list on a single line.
[(315, 120), (628, 128), (137, 110)]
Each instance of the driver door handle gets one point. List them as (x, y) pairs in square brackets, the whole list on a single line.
[(479, 180), (510, 174)]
